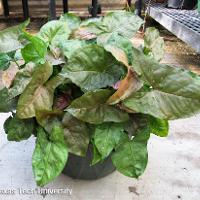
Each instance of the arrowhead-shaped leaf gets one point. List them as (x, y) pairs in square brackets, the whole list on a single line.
[(89, 29), (175, 94), (76, 135), (53, 32), (71, 19), (68, 47), (163, 105), (91, 67), (36, 96), (36, 49), (118, 46), (107, 136), (50, 155), (124, 23), (131, 157), (22, 78), (19, 129), (91, 108), (9, 38), (153, 43), (165, 78)]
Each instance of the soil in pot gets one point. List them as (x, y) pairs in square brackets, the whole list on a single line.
[(185, 4), (79, 167)]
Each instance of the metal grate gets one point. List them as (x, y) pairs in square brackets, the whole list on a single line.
[(185, 24), (190, 18)]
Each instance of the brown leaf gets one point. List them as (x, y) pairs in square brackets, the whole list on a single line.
[(8, 76), (84, 33), (127, 86), (119, 54)]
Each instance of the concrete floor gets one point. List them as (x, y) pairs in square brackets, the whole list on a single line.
[(172, 172)]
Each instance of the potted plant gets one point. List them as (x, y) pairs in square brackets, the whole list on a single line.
[(185, 4), (89, 96)]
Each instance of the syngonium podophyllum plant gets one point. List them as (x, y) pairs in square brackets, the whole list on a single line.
[(78, 83)]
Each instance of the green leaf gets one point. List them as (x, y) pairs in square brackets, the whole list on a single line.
[(175, 92), (36, 96), (131, 157), (76, 135), (118, 46), (35, 50), (8, 96), (6, 58), (91, 67), (6, 103), (124, 23), (123, 139), (50, 155), (22, 79), (163, 105), (9, 38), (53, 32), (68, 47), (18, 129), (91, 20), (4, 61), (90, 29), (158, 127), (96, 156), (153, 43), (136, 123), (91, 108), (165, 78), (48, 118), (106, 137), (113, 22), (71, 19)]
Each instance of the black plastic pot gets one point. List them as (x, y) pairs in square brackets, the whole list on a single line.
[(79, 167), (185, 4)]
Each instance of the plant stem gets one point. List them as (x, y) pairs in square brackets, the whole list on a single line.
[(16, 63)]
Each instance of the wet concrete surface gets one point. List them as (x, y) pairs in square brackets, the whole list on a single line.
[(172, 172)]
